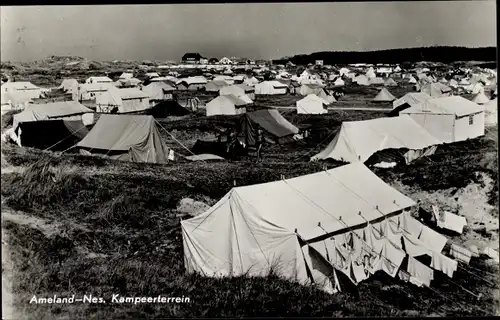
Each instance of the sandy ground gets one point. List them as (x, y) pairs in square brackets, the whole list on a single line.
[(470, 202)]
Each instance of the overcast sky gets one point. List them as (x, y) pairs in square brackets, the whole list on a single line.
[(166, 32)]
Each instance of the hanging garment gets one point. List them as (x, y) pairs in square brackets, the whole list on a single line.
[(394, 233), (448, 220), (359, 272), (416, 281), (442, 263), (414, 247), (432, 239), (410, 224), (403, 275), (390, 259), (460, 253), (374, 239), (420, 271), (452, 222)]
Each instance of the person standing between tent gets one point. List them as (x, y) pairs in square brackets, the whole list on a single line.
[(260, 141)]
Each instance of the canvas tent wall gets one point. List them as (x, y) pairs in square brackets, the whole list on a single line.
[(411, 98), (253, 228), (271, 88), (70, 86), (357, 141), (158, 91), (312, 104), (167, 108), (66, 110), (384, 96), (390, 83), (480, 98), (55, 135), (436, 90), (275, 127), (133, 138), (449, 119), (216, 85), (225, 105), (241, 91)]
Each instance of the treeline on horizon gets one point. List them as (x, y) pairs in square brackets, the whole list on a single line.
[(396, 56)]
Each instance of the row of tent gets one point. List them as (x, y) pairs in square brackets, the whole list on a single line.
[(332, 229), (418, 125)]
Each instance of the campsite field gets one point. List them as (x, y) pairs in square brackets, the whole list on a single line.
[(84, 225)]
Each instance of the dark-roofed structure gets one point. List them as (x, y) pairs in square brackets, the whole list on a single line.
[(192, 57)]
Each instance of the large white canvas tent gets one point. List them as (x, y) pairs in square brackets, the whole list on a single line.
[(384, 96), (27, 88), (411, 98), (312, 104), (226, 105), (122, 100), (258, 228), (357, 141), (158, 91), (449, 119), (64, 110), (271, 88), (241, 91), (133, 138)]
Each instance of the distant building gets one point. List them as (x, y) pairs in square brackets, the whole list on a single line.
[(203, 61), (213, 61), (319, 62), (191, 58), (225, 61)]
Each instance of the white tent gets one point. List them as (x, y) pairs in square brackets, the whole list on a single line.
[(464, 82), (271, 88), (258, 228), (226, 105), (158, 91), (384, 96), (449, 119), (436, 90), (480, 98), (251, 81), (238, 91), (357, 141), (70, 86), (361, 80), (390, 82), (411, 79), (370, 73), (338, 82), (453, 83), (412, 98), (476, 88), (312, 104), (491, 112)]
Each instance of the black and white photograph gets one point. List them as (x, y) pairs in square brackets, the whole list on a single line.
[(222, 160)]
